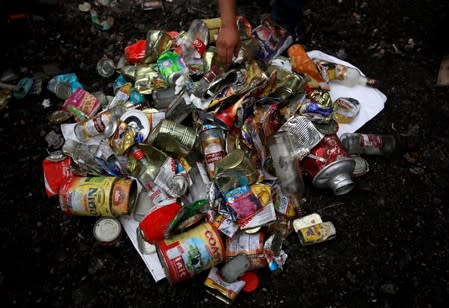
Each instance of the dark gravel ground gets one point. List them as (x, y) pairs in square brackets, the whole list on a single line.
[(391, 248)]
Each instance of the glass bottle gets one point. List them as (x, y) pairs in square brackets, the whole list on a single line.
[(149, 168), (342, 74), (377, 144), (104, 123)]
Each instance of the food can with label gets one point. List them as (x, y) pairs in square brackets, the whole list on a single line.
[(96, 196), (189, 253)]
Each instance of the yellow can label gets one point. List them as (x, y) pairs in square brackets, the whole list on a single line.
[(88, 196)]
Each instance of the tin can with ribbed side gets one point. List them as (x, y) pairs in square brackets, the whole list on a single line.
[(173, 137), (189, 253)]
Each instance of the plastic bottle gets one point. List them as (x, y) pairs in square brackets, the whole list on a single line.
[(104, 124), (83, 155), (375, 144), (342, 74), (193, 43), (163, 97)]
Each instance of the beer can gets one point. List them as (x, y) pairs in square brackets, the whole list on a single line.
[(96, 196), (187, 254), (212, 147), (107, 231)]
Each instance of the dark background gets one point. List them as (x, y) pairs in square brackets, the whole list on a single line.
[(391, 248)]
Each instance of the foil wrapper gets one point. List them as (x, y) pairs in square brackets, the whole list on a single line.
[(157, 42), (147, 79), (306, 136)]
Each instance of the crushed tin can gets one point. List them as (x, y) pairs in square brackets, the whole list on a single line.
[(330, 166)]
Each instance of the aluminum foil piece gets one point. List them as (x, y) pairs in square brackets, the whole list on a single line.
[(305, 133)]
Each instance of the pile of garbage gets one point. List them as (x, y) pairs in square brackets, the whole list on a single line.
[(206, 164)]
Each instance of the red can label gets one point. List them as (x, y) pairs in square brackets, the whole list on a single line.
[(199, 46), (189, 253), (371, 141), (56, 173), (327, 151)]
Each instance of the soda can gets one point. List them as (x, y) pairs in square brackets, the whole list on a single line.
[(171, 66), (330, 166), (96, 196), (57, 171), (107, 231), (187, 254)]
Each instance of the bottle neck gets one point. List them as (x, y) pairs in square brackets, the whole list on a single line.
[(367, 81)]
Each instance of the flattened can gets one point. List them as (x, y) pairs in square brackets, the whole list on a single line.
[(189, 253), (94, 196)]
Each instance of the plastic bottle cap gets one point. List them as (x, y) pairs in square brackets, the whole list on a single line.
[(252, 282), (138, 154)]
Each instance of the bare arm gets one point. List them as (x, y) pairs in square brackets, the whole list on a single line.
[(228, 40)]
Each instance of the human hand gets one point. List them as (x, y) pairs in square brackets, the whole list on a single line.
[(228, 43)]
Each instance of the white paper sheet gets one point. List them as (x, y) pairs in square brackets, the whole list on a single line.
[(152, 260), (371, 100)]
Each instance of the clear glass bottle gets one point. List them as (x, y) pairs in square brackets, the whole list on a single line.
[(377, 144), (149, 168), (342, 74), (102, 124)]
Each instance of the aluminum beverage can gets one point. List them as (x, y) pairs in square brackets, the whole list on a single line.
[(57, 171), (171, 66), (212, 147), (330, 166), (189, 253)]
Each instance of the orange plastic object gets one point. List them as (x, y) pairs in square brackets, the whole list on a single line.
[(302, 63)]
